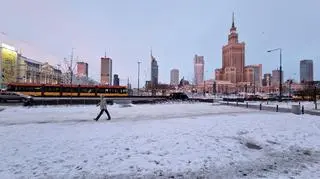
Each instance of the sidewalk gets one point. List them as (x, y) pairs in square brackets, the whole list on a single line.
[(265, 107)]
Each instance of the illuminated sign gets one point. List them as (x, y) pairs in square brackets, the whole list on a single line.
[(9, 60), (8, 47)]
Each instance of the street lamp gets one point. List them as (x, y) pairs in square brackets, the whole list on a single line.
[(280, 81), (254, 81), (138, 77), (204, 83)]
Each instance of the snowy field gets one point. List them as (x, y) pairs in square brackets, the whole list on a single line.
[(158, 141)]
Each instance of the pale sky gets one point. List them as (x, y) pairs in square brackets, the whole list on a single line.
[(175, 29)]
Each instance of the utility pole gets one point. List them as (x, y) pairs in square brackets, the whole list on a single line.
[(70, 67), (128, 86), (204, 83), (280, 83), (246, 90), (139, 78), (315, 95), (71, 74), (254, 81)]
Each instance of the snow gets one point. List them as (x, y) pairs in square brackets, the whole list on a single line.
[(84, 113), (163, 140), (307, 105)]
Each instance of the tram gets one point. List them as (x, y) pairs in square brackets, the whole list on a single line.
[(63, 90)]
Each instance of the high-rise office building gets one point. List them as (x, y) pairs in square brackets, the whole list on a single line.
[(82, 69), (198, 62), (154, 71), (306, 71), (174, 77), (266, 79), (276, 78), (106, 71), (253, 74)]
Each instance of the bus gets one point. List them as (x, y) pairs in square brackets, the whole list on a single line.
[(63, 90)]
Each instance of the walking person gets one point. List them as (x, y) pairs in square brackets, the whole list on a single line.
[(103, 108)]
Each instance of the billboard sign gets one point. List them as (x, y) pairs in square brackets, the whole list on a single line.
[(8, 64)]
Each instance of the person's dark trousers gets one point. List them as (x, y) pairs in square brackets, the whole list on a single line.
[(109, 117), (101, 112)]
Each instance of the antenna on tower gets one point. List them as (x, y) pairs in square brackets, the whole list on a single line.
[(232, 19)]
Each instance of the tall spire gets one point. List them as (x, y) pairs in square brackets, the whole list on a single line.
[(151, 55), (233, 27), (233, 20)]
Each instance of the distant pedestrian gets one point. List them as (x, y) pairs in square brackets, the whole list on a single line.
[(103, 108)]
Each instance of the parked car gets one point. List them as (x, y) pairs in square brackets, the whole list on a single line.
[(178, 96), (13, 96)]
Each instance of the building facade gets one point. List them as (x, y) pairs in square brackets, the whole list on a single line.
[(276, 77), (266, 80), (16, 68), (106, 71), (49, 74), (34, 72), (29, 71), (198, 62), (154, 71), (116, 80), (233, 59), (8, 64), (253, 74), (82, 69), (174, 77), (306, 71)]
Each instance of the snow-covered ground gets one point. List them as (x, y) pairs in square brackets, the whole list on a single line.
[(85, 113), (158, 141)]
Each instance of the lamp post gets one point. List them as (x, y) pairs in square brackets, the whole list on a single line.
[(254, 81), (204, 83), (138, 77), (280, 81), (246, 90)]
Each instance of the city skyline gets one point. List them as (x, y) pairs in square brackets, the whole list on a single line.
[(173, 40)]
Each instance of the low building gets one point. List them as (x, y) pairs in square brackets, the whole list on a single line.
[(8, 64), (49, 74), (28, 70), (16, 68)]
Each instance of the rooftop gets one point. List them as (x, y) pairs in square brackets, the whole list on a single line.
[(32, 61)]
